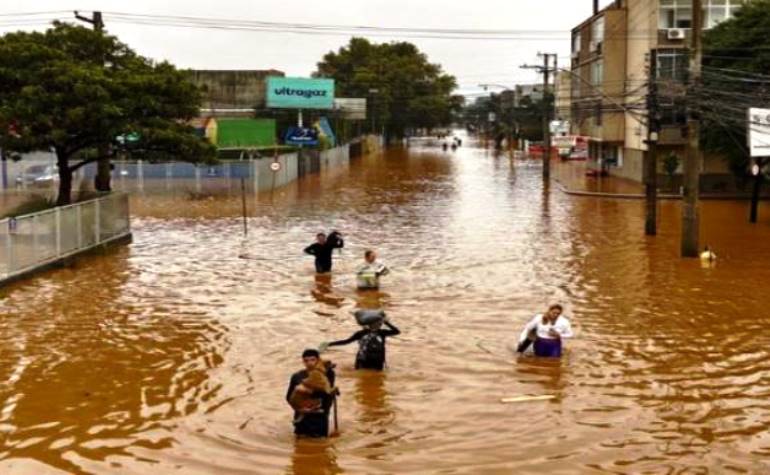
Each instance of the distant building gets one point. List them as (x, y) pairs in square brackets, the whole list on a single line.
[(227, 117), (238, 91), (609, 72)]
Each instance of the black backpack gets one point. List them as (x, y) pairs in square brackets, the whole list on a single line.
[(371, 348)]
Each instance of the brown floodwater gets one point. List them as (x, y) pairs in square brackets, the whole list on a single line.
[(172, 355)]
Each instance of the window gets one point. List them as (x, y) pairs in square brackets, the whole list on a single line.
[(598, 114), (717, 11), (673, 112), (678, 13), (597, 72), (675, 14), (597, 33), (673, 64), (576, 83), (576, 42)]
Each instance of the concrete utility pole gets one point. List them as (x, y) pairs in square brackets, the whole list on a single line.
[(651, 163), (546, 70), (690, 211), (103, 172), (546, 117)]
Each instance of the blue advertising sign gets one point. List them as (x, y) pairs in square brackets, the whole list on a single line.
[(299, 93), (301, 136)]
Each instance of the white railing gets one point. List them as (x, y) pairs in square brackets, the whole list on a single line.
[(38, 239)]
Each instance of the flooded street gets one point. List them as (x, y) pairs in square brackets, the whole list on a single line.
[(173, 355)]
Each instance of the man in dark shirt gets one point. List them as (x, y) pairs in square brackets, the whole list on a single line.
[(322, 250), (371, 344), (313, 423)]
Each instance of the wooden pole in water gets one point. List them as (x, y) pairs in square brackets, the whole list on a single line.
[(243, 207), (336, 421)]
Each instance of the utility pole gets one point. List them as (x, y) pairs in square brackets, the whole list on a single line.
[(651, 163), (547, 109), (103, 172), (690, 212), (546, 117)]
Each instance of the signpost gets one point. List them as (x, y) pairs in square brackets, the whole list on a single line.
[(301, 136), (759, 147), (300, 93)]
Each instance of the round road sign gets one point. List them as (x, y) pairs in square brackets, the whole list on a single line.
[(275, 166)]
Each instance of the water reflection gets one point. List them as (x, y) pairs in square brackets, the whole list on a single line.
[(313, 457), (372, 399)]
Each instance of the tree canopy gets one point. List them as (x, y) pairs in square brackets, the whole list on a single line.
[(404, 90), (735, 78), (522, 121), (73, 90), (736, 65)]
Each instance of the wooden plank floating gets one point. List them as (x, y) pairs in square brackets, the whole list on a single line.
[(546, 397)]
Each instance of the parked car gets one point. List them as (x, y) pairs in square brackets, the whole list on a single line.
[(38, 176)]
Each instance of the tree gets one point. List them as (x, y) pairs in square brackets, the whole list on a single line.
[(735, 67), (403, 88), (522, 121), (58, 94)]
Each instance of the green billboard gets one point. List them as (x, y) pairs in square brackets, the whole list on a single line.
[(300, 93)]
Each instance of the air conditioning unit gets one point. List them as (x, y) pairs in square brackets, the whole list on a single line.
[(676, 34)]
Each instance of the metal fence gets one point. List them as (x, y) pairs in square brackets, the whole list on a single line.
[(35, 240)]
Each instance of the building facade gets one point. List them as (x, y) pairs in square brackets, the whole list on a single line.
[(232, 90), (610, 67)]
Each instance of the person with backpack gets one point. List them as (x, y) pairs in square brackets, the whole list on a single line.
[(322, 250), (371, 343)]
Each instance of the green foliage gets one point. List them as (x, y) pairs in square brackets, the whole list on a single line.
[(671, 164), (735, 52), (525, 121), (410, 92), (73, 90)]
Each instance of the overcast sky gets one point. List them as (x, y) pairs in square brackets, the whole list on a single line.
[(471, 61)]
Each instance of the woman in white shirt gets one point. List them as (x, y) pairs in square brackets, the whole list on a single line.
[(546, 331)]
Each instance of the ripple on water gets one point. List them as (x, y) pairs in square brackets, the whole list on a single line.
[(173, 354)]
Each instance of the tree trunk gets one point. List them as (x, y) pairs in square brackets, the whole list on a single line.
[(65, 181), (755, 193), (103, 172)]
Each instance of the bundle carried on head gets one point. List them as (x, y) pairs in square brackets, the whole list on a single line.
[(367, 317)]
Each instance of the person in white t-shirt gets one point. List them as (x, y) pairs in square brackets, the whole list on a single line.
[(546, 331), (368, 275)]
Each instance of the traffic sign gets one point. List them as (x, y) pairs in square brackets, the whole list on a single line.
[(275, 166)]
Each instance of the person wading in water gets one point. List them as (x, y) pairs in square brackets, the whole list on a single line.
[(322, 250), (371, 343), (546, 331), (312, 420), (368, 275)]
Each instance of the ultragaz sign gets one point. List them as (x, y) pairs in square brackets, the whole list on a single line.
[(299, 93)]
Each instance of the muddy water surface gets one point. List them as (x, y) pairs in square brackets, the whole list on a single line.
[(172, 355)]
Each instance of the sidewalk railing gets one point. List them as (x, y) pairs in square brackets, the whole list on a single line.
[(39, 239)]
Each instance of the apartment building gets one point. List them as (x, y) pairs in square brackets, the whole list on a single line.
[(609, 71)]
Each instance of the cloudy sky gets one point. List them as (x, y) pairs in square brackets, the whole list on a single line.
[(471, 61)]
